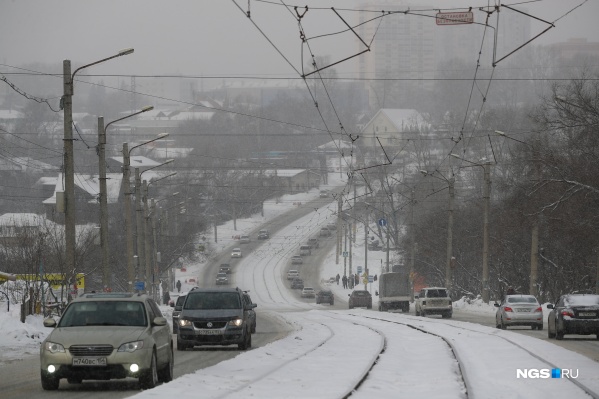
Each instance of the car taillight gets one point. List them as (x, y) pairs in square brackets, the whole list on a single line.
[(539, 310), (508, 309), (568, 312)]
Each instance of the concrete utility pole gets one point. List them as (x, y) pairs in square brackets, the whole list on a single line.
[(140, 227), (366, 250), (128, 223), (106, 275), (449, 261), (338, 236), (413, 244), (487, 205), (148, 250)]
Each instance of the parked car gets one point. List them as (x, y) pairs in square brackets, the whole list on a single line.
[(263, 235), (296, 260), (324, 232), (323, 194), (221, 279), (308, 292), (247, 301), (433, 300), (215, 316), (224, 268), (360, 299), (573, 314), (325, 296), (244, 239), (314, 242), (332, 226), (297, 284), (519, 310), (291, 274), (236, 253), (305, 250), (101, 335)]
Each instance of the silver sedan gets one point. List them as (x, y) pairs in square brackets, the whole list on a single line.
[(519, 310)]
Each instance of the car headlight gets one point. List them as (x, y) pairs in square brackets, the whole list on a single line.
[(53, 347), (184, 323), (131, 346), (236, 322)]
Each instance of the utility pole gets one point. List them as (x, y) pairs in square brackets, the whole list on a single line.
[(534, 245), (366, 250), (487, 200), (69, 167), (448, 264), (128, 222), (413, 245), (140, 228), (106, 274), (345, 249), (338, 236), (146, 223)]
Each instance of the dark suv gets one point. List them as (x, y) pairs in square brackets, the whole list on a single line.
[(323, 296), (215, 316)]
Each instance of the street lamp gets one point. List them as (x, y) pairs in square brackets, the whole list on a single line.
[(449, 257), (103, 192), (127, 211), (66, 103), (139, 216), (487, 200)]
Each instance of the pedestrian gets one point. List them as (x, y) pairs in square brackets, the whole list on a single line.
[(357, 282), (178, 285), (166, 297), (374, 277), (344, 281), (337, 278)]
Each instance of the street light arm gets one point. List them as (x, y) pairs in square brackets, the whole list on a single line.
[(120, 53), (162, 178), (144, 109), (156, 166), (160, 136)]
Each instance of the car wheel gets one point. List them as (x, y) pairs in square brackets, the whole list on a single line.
[(549, 333), (243, 345), (166, 373), (540, 327), (422, 313), (446, 315), (181, 346), (369, 306), (253, 329), (49, 383), (503, 326), (149, 378), (559, 335), (416, 312), (74, 380), (533, 326)]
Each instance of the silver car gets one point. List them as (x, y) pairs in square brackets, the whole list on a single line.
[(107, 336), (519, 310)]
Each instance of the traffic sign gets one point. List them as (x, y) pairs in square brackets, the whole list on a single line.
[(359, 269), (370, 279), (345, 254), (139, 286), (454, 18), (382, 222)]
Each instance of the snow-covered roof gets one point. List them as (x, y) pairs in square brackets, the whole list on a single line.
[(91, 185), (283, 172), (21, 219), (24, 164), (138, 161)]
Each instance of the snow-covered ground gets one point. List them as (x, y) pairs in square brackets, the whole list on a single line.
[(330, 353)]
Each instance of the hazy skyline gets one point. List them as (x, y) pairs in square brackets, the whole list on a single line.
[(214, 37)]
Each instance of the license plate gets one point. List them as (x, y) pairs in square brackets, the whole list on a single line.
[(522, 310), (209, 332), (89, 361), (586, 314)]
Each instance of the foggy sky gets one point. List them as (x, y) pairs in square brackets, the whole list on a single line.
[(210, 37)]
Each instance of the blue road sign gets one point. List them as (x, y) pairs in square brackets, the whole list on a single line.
[(382, 222), (370, 279), (139, 286), (359, 269)]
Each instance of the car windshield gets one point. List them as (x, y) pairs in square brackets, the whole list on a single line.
[(212, 300), (180, 300), (104, 313), (582, 300), (361, 293), (221, 275), (522, 299), (436, 294)]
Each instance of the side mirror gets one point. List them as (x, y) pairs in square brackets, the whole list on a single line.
[(159, 321), (50, 323), (496, 304), (172, 305)]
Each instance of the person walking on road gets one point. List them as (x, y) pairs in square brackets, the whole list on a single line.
[(178, 285), (344, 281), (337, 278)]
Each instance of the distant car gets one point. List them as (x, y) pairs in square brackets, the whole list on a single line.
[(221, 279), (263, 235), (434, 300), (325, 296), (360, 299), (247, 301), (296, 260), (313, 242), (519, 310), (236, 253), (305, 250), (297, 283), (324, 232), (308, 292), (244, 239), (100, 336), (574, 314), (291, 274), (177, 311), (323, 194), (332, 226), (224, 268)]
